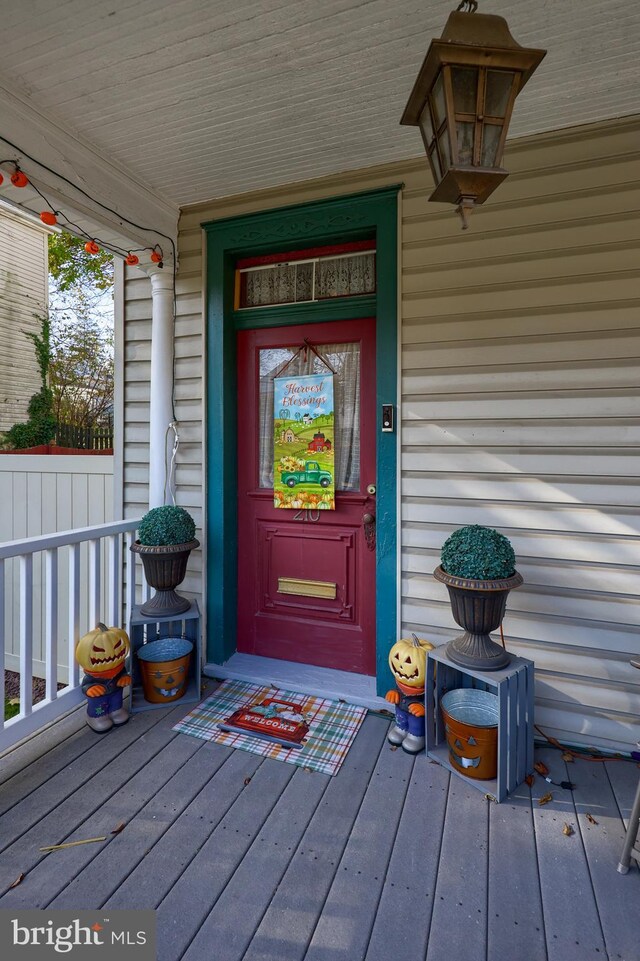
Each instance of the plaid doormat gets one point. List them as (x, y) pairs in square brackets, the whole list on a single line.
[(332, 724)]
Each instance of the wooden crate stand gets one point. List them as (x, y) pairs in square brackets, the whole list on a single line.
[(143, 629), (514, 688)]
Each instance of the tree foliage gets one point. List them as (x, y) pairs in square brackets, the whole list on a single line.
[(76, 272), (41, 425), (74, 349)]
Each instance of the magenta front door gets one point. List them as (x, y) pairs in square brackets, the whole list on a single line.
[(306, 575)]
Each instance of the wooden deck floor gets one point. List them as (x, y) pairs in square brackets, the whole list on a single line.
[(391, 860)]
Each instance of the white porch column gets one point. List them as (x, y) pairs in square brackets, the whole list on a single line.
[(161, 408)]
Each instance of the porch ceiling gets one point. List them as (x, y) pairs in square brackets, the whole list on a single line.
[(200, 100)]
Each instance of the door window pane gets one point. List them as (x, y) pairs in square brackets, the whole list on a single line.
[(345, 360)]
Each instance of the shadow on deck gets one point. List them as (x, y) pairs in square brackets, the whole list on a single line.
[(245, 858)]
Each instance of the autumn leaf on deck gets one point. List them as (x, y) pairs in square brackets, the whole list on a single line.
[(568, 830), (541, 768), (119, 827), (530, 780), (17, 881), (247, 780), (569, 758), (591, 818), (545, 799)]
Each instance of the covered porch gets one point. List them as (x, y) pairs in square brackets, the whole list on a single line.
[(515, 376), (250, 858)]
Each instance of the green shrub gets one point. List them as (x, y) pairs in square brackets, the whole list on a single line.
[(478, 552), (166, 525)]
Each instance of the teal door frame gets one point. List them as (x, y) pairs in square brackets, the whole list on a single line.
[(355, 217)]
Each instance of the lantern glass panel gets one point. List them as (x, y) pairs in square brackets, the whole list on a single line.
[(465, 143), (435, 163), (491, 133), (425, 125), (445, 151), (496, 101), (465, 88), (439, 107)]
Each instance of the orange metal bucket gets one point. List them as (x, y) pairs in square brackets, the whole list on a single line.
[(164, 666), (471, 722)]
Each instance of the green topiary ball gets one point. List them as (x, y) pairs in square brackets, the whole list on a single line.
[(166, 525), (478, 552)]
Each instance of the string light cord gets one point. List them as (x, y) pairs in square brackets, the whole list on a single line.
[(156, 250), (170, 469)]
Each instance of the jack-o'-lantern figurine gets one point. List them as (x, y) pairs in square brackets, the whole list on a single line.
[(408, 663), (102, 653)]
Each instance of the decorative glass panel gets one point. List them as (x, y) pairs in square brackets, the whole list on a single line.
[(435, 160), (345, 276), (345, 360), (304, 282), (439, 112), (496, 97), (271, 285), (426, 126), (445, 153), (491, 133), (295, 282), (465, 89), (465, 143)]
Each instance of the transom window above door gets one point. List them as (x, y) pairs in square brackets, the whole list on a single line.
[(305, 276)]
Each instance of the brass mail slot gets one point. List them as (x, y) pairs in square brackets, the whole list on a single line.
[(295, 585)]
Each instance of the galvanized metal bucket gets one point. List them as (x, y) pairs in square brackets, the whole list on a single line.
[(471, 722), (164, 666)]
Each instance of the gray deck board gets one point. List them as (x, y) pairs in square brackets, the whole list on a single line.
[(184, 909), (459, 920), (289, 922), (59, 868), (409, 888), (54, 825), (514, 913), (162, 866), (624, 777), (349, 911), (572, 923), (113, 865), (617, 895), (245, 898), (249, 859)]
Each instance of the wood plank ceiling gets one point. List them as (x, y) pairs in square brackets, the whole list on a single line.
[(201, 100)]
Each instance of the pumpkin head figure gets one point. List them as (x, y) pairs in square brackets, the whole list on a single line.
[(408, 661), (103, 651)]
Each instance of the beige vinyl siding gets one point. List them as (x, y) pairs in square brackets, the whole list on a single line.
[(519, 403), (23, 294)]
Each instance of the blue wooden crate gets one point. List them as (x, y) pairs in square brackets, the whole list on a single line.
[(143, 629), (514, 689)]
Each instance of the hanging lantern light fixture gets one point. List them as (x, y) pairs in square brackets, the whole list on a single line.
[(462, 101)]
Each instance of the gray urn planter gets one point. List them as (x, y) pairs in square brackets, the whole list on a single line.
[(478, 607), (164, 568)]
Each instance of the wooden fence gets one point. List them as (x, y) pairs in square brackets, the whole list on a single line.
[(84, 438)]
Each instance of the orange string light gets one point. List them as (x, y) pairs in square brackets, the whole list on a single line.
[(50, 218), (18, 179)]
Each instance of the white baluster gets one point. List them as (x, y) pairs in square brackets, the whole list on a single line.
[(94, 583), (131, 576), (115, 568), (74, 612), (26, 634), (51, 622), (2, 644)]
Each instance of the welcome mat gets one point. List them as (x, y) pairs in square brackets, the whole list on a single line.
[(302, 729)]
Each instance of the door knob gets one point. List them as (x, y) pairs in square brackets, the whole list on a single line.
[(369, 524)]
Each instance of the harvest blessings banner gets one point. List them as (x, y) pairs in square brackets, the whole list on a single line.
[(303, 471)]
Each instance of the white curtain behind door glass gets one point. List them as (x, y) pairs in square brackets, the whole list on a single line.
[(345, 360)]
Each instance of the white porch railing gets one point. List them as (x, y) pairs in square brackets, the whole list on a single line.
[(95, 584)]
